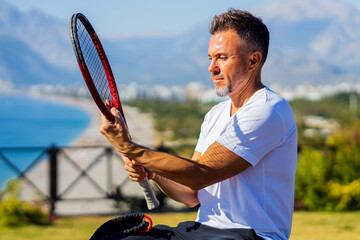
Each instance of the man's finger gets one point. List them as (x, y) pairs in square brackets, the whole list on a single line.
[(127, 161), (134, 169), (108, 104), (134, 162), (120, 121), (117, 115), (137, 179)]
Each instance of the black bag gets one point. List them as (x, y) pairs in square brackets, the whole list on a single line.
[(123, 226)]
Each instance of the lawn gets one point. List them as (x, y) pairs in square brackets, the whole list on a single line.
[(306, 225)]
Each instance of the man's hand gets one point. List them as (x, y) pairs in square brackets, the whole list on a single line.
[(136, 172), (116, 132), (118, 135)]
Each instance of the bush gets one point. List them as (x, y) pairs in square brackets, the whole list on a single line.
[(310, 183), (345, 197), (330, 179), (14, 213), (11, 213)]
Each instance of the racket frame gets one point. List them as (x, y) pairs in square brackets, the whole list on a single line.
[(151, 200), (115, 101)]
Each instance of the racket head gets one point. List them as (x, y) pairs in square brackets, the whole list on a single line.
[(94, 65), (83, 36)]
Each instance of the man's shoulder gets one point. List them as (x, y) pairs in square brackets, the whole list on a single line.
[(266, 106), (279, 108), (267, 99), (278, 102), (220, 110)]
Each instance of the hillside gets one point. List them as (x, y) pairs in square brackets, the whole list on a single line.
[(311, 43)]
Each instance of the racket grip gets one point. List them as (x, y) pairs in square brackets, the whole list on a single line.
[(151, 200)]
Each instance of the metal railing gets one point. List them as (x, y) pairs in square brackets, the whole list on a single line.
[(60, 173), (56, 174)]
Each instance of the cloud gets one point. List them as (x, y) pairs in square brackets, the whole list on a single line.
[(305, 9)]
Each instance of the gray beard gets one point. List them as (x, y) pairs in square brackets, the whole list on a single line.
[(223, 92)]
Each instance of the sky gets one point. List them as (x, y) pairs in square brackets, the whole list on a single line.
[(135, 17), (141, 17)]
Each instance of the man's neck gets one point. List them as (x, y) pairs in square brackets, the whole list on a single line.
[(240, 99)]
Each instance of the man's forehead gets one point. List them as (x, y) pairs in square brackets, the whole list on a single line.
[(224, 40), (225, 35)]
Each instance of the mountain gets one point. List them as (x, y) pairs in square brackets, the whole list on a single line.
[(166, 61), (23, 65), (312, 42), (44, 34), (34, 49)]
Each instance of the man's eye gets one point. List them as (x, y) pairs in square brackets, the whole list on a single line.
[(223, 57)]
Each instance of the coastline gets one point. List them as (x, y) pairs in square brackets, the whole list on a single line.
[(140, 124)]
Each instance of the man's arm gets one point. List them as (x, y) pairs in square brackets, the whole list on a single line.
[(174, 190), (217, 163), (177, 191)]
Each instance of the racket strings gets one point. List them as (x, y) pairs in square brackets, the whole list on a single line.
[(93, 62)]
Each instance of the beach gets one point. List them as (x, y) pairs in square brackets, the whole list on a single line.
[(87, 151), (140, 124)]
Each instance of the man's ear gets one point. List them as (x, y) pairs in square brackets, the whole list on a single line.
[(255, 59)]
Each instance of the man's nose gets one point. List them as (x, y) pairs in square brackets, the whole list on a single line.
[(213, 67)]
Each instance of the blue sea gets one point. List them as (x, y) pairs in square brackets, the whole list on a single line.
[(31, 122)]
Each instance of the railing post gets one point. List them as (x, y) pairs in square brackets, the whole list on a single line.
[(109, 153), (53, 179)]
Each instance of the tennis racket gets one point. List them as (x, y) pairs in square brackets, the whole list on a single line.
[(99, 78)]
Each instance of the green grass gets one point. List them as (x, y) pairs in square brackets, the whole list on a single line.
[(326, 225), (306, 225)]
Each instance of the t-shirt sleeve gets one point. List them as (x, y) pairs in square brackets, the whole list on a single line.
[(254, 134)]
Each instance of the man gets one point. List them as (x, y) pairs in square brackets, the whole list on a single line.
[(243, 168)]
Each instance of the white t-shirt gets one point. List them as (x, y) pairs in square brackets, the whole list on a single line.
[(264, 133)]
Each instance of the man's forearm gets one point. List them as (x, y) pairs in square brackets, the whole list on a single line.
[(216, 164), (177, 191), (178, 169)]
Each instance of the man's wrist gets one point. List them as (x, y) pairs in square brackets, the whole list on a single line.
[(134, 151), (156, 177)]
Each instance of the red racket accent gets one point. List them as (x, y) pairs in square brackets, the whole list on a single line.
[(149, 221)]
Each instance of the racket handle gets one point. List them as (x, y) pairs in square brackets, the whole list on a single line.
[(151, 200)]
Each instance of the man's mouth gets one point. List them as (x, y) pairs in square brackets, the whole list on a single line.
[(217, 79)]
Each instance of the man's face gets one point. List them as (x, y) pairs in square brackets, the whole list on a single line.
[(228, 61)]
